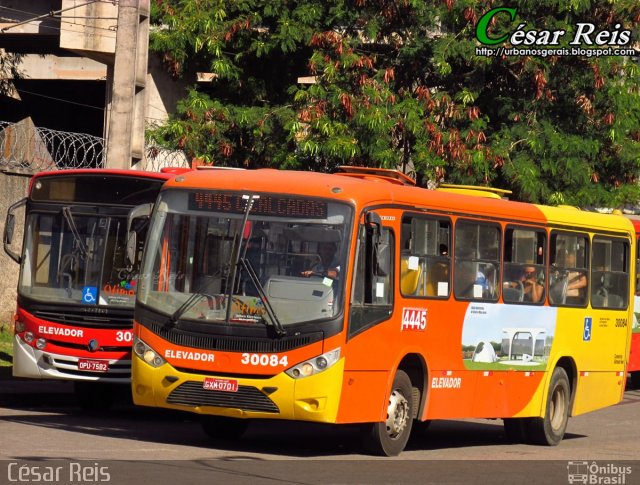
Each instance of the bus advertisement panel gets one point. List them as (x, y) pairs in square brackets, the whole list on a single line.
[(358, 298), (77, 282)]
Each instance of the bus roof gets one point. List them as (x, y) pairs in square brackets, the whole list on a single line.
[(475, 190), (164, 175), (376, 191)]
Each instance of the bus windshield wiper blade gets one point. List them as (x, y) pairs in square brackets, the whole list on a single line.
[(236, 250), (277, 325), (187, 305), (66, 212)]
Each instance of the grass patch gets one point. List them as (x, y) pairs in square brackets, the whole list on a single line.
[(6, 347)]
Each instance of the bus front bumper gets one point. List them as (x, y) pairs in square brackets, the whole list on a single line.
[(314, 398), (38, 364)]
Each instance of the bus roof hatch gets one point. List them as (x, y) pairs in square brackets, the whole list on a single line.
[(381, 174)]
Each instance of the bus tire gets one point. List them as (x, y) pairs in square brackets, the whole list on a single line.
[(516, 430), (94, 396), (550, 429), (389, 437), (224, 428)]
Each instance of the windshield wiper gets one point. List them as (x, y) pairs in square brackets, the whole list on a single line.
[(235, 253), (187, 305), (66, 212), (277, 325)]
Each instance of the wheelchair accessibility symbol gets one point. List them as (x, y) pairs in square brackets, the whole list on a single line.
[(586, 336), (89, 295)]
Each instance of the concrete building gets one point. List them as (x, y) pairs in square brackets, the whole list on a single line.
[(66, 57)]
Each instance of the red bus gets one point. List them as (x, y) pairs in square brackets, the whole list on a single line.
[(360, 298), (634, 355), (78, 275)]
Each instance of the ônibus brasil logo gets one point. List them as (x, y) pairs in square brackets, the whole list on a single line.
[(586, 39)]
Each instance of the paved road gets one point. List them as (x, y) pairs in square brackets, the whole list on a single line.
[(40, 421)]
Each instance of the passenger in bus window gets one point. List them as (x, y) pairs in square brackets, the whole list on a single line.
[(328, 266), (468, 279), (576, 281), (533, 284)]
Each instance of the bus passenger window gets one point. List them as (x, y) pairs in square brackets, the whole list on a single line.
[(425, 260), (523, 280), (477, 261), (568, 280), (609, 273)]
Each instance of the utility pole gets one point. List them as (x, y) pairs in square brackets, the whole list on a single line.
[(125, 133)]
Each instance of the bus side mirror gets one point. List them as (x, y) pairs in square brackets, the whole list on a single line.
[(9, 228), (132, 246), (381, 254), (142, 210), (374, 221)]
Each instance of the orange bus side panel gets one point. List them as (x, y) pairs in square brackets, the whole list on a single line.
[(363, 396)]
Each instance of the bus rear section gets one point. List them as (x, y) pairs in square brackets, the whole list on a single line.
[(78, 275), (634, 355), (432, 305)]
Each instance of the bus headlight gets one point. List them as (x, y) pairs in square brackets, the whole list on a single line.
[(147, 354), (41, 343), (315, 365), (19, 327), (28, 337)]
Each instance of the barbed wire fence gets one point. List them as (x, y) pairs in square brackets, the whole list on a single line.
[(28, 149)]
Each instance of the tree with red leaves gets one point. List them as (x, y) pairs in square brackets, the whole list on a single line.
[(399, 84)]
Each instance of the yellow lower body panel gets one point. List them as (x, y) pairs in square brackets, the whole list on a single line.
[(314, 398), (598, 390)]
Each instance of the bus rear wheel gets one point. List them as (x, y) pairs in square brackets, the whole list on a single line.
[(224, 428), (389, 437), (550, 429)]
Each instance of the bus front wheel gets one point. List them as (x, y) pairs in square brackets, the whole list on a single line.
[(550, 429), (389, 437)]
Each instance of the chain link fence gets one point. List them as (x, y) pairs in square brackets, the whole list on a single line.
[(29, 149)]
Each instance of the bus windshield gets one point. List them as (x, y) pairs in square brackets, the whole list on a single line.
[(283, 264), (71, 257)]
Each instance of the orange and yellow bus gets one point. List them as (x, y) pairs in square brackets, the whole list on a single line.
[(358, 297)]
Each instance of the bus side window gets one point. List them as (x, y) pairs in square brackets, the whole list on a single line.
[(425, 262), (523, 278), (568, 281), (372, 295), (477, 261), (609, 273)]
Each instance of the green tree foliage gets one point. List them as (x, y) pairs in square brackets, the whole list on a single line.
[(399, 84)]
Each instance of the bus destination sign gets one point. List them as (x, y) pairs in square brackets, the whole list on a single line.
[(265, 205)]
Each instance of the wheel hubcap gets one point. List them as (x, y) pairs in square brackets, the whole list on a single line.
[(557, 408), (397, 414)]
